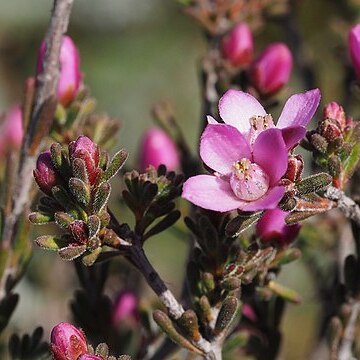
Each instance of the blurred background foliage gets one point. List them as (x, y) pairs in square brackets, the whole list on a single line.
[(135, 53)]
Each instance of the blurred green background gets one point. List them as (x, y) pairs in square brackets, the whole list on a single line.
[(133, 54)]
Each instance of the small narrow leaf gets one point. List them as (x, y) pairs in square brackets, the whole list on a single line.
[(163, 224), (226, 315), (89, 260), (80, 190), (51, 242), (93, 225), (283, 291), (101, 197), (115, 164), (63, 219), (38, 218), (79, 170), (314, 183), (72, 252), (166, 325), (241, 223)]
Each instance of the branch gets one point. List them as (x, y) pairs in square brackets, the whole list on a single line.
[(345, 352), (36, 127), (41, 115), (348, 206)]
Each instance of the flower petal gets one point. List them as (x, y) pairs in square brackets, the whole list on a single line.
[(221, 146), (292, 135), (299, 109), (211, 120), (237, 107), (269, 151), (269, 201), (211, 192)]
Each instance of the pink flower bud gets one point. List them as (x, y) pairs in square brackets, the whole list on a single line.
[(79, 231), (89, 357), (295, 168), (11, 130), (70, 75), (271, 70), (67, 342), (336, 112), (85, 149), (238, 46), (271, 228), (45, 174), (249, 312), (354, 48), (126, 308), (157, 148)]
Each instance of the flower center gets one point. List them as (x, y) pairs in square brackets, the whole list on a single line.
[(248, 180), (258, 124)]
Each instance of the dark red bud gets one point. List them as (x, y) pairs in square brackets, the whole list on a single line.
[(295, 168), (79, 231)]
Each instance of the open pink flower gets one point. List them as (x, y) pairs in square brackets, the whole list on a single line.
[(248, 154)]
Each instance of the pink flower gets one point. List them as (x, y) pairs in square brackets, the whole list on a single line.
[(45, 173), (67, 342), (126, 307), (238, 46), (85, 149), (248, 154), (89, 357), (158, 148), (271, 70), (11, 130), (70, 75), (273, 228), (354, 48), (249, 312)]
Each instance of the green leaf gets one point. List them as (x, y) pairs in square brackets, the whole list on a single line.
[(241, 223), (93, 225), (115, 164), (89, 260), (351, 163), (79, 170), (63, 219), (38, 218), (163, 224), (314, 183), (227, 313), (80, 190), (166, 325), (101, 197), (72, 252), (285, 292), (51, 242)]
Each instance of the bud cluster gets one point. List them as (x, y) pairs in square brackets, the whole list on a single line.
[(70, 343), (335, 143), (75, 181), (150, 196)]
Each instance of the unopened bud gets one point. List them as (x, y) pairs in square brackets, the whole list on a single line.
[(11, 129), (67, 342), (238, 45), (70, 74), (45, 173), (126, 308), (272, 69), (319, 143), (158, 148), (295, 168), (354, 48), (330, 130), (335, 112)]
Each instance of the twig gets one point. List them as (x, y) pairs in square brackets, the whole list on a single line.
[(46, 85), (348, 206), (345, 352), (40, 121)]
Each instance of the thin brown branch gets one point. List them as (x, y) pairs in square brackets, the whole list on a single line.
[(41, 115), (39, 123)]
